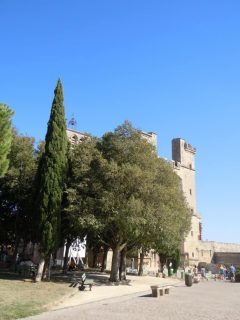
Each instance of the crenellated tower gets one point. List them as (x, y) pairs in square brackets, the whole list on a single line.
[(183, 156)]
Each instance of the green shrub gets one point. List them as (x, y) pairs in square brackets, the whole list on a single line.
[(237, 278)]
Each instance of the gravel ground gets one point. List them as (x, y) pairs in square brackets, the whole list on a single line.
[(208, 300)]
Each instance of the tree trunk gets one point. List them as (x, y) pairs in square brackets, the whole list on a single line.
[(122, 267), (114, 275), (45, 269), (95, 256), (86, 262), (104, 258), (65, 263), (163, 260), (15, 254), (140, 271), (40, 270)]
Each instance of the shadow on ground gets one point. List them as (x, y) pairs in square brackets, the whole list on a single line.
[(99, 278)]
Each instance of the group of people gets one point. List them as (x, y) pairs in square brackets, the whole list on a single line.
[(223, 273), (197, 274), (227, 273)]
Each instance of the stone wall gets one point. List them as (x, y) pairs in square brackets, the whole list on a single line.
[(151, 137), (208, 248), (227, 258), (75, 136)]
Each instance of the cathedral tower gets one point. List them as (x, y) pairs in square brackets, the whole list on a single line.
[(183, 155)]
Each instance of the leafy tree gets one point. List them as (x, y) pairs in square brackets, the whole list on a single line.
[(121, 194), (172, 219), (50, 180), (119, 180), (15, 192), (134, 195), (6, 137), (166, 218), (77, 218)]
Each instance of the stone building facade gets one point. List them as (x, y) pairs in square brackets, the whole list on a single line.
[(193, 249), (75, 137)]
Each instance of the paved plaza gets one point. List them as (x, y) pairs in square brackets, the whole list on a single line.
[(208, 300)]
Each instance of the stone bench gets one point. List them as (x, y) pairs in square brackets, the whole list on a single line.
[(158, 291)]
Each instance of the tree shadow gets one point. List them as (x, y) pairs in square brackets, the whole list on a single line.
[(10, 275), (57, 276)]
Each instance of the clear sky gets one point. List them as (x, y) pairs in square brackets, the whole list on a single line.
[(172, 67)]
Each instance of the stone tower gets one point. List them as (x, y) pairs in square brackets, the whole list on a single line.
[(183, 155)]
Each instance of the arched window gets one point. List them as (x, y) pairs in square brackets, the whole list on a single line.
[(74, 139)]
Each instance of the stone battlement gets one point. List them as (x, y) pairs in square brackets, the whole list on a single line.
[(190, 148)]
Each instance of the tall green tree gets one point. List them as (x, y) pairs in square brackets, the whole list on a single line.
[(134, 194), (50, 180), (15, 192), (6, 137), (77, 218), (172, 219), (119, 181), (123, 195)]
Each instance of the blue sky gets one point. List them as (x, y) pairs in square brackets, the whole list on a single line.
[(172, 67)]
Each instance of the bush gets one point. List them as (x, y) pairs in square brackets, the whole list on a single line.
[(237, 277)]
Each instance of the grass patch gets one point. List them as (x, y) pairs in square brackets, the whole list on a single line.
[(20, 298)]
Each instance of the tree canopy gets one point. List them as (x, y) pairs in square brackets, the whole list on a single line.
[(6, 137), (114, 190), (16, 191), (132, 196)]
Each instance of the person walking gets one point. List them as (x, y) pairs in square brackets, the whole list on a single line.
[(232, 273), (221, 272), (203, 273)]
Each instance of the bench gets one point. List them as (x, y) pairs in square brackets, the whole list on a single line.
[(82, 282), (158, 291)]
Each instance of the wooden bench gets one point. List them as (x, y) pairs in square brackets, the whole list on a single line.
[(82, 282), (158, 291)]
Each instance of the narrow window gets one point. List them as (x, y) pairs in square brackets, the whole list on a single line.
[(190, 191), (74, 139), (193, 254), (192, 233)]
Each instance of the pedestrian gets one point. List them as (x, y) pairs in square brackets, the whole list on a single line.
[(195, 271), (203, 273), (221, 272), (72, 265), (165, 271), (232, 272)]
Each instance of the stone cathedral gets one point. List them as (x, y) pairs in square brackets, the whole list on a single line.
[(194, 249)]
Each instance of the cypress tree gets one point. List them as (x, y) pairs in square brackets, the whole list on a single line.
[(51, 177), (6, 137)]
